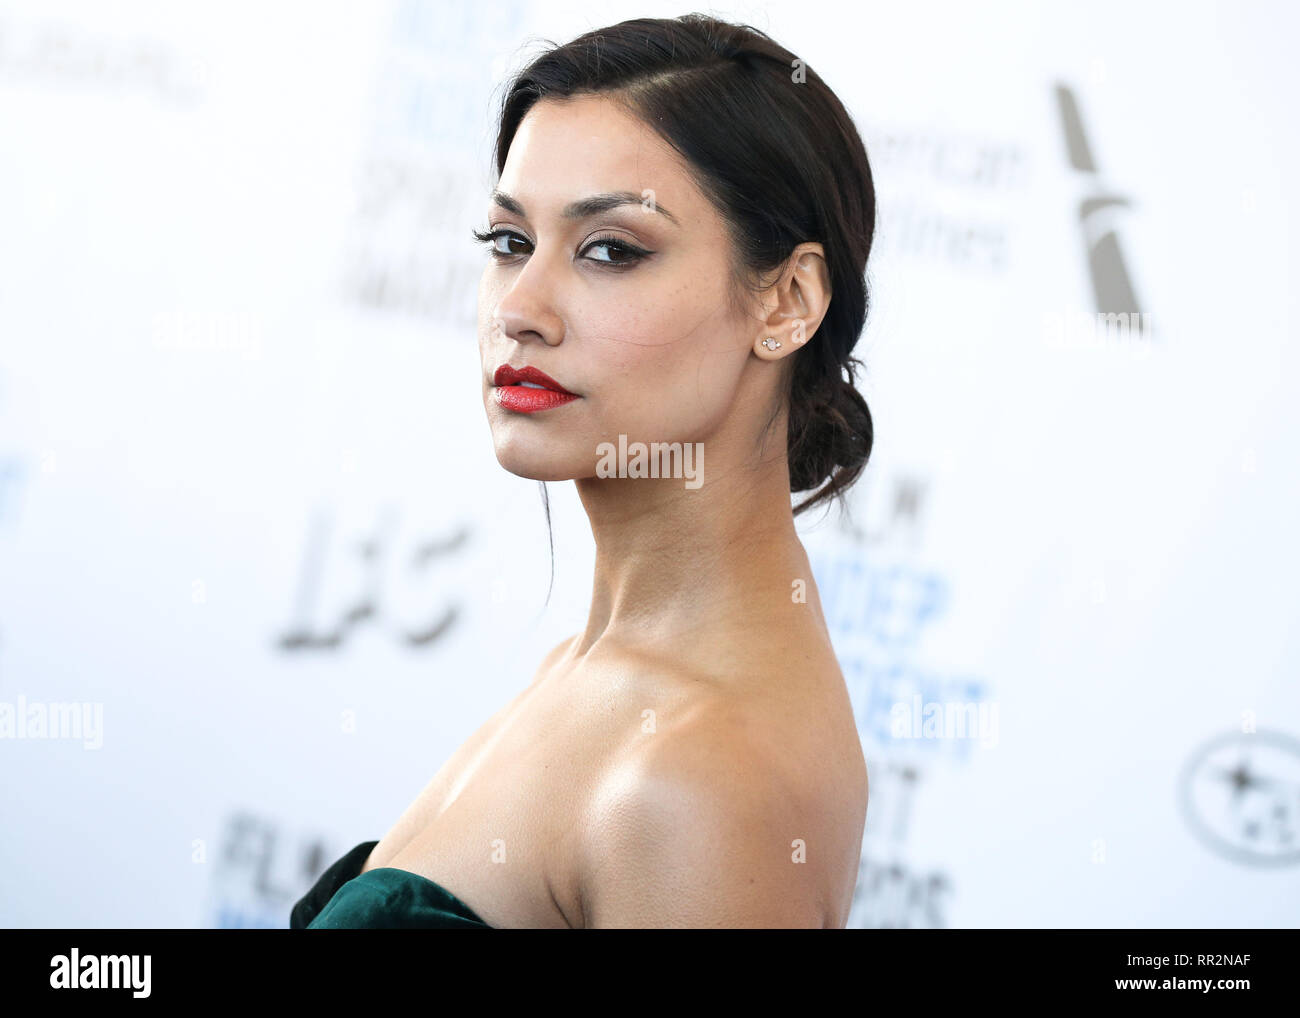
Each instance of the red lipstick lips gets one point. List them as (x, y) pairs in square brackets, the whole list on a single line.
[(510, 393)]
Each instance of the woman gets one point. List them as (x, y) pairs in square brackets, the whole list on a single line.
[(679, 236)]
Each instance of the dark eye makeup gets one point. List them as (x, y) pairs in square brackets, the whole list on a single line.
[(623, 253)]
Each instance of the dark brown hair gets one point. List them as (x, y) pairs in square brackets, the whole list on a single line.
[(780, 158)]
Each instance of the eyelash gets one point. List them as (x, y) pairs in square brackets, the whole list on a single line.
[(633, 253)]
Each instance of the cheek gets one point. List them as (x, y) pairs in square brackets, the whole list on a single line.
[(670, 372), (487, 299)]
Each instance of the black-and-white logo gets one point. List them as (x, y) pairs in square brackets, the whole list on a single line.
[(1240, 793)]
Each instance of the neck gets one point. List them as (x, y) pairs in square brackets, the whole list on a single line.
[(678, 567)]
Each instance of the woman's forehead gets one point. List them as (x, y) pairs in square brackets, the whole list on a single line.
[(568, 150)]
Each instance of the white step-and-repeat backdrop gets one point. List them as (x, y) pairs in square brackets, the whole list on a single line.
[(250, 517)]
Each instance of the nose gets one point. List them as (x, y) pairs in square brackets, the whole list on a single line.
[(525, 312)]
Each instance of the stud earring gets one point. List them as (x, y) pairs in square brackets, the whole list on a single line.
[(772, 344)]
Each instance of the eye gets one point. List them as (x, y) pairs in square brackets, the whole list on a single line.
[(621, 251), (618, 253), (492, 236)]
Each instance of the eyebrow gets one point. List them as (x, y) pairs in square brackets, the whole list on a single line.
[(584, 207)]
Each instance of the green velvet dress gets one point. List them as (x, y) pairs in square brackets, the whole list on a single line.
[(344, 898)]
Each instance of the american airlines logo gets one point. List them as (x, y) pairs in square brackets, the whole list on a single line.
[(1100, 217)]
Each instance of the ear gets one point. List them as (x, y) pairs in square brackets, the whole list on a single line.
[(795, 304)]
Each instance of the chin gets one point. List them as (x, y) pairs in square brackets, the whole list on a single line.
[(537, 459)]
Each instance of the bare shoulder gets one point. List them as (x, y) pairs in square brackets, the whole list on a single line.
[(428, 804), (717, 822), (555, 654)]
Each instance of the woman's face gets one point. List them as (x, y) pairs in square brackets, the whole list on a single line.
[(648, 344)]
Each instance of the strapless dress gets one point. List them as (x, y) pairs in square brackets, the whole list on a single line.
[(344, 898)]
